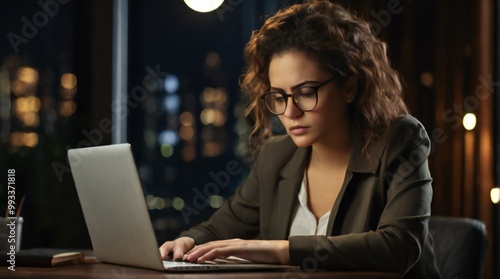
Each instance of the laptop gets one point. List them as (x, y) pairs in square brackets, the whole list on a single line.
[(117, 217)]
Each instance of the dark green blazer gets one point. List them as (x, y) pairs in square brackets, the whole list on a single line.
[(379, 221)]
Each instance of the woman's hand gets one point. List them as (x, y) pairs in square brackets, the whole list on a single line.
[(177, 247), (262, 251)]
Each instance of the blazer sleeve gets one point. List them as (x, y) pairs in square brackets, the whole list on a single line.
[(397, 243), (237, 218)]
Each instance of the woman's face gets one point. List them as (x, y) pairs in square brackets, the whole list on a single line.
[(329, 121)]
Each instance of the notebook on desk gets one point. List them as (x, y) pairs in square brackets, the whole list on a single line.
[(116, 214)]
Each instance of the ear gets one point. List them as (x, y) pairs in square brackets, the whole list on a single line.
[(350, 89)]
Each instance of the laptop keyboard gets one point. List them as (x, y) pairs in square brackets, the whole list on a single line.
[(229, 263), (228, 260)]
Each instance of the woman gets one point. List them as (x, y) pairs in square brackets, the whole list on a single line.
[(348, 187)]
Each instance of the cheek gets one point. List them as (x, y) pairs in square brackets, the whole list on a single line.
[(332, 103), (282, 119), (326, 106), (330, 110)]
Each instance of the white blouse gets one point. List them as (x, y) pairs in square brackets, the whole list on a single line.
[(304, 221)]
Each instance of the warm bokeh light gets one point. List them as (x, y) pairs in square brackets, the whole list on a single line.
[(67, 108), (220, 119), (495, 195), (26, 109), (30, 139), (186, 118), (218, 96), (211, 149), (469, 121), (207, 116), (212, 116), (27, 75), (29, 119), (18, 139), (27, 104), (18, 87), (427, 79), (186, 133), (203, 6), (68, 81)]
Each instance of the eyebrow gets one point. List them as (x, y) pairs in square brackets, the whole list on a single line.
[(296, 85)]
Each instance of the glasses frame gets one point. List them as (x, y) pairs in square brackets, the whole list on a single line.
[(286, 95)]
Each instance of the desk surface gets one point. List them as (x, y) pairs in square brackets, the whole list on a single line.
[(102, 270)]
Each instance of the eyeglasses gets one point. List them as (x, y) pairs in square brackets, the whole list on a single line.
[(305, 98)]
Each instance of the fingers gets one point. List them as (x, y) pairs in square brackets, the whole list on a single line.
[(183, 248), (166, 248), (275, 251), (203, 255), (179, 250), (214, 254), (213, 250), (176, 248)]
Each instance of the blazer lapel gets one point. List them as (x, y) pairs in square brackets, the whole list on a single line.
[(288, 189), (358, 163)]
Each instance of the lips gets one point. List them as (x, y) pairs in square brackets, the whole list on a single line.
[(298, 130)]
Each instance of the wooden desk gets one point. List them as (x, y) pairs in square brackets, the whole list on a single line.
[(108, 271)]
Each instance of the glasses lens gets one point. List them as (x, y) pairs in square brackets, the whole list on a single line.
[(275, 102), (305, 98)]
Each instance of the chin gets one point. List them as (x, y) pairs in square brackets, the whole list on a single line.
[(301, 141)]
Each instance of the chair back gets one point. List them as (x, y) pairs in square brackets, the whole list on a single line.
[(459, 246)]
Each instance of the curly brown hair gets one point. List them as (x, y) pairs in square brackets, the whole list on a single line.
[(344, 45)]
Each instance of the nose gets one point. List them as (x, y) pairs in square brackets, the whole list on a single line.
[(292, 111)]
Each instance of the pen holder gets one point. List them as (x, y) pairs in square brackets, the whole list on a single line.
[(10, 234)]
